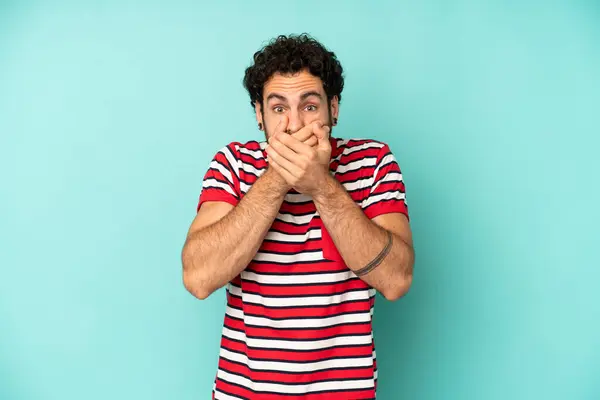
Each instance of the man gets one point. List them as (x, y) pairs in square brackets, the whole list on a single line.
[(303, 228)]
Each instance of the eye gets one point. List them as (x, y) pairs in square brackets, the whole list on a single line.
[(311, 107), (278, 109)]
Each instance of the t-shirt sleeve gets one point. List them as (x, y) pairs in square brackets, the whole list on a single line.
[(221, 181), (387, 193)]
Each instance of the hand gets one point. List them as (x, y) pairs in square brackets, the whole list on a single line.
[(303, 167), (278, 181), (304, 135)]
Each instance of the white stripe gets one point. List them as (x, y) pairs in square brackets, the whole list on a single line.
[(343, 142), (295, 389), (384, 161), (299, 322), (301, 301), (360, 184), (249, 168), (223, 396), (363, 146), (296, 219), (213, 183), (289, 258), (298, 344), (284, 237), (244, 187), (297, 279), (389, 177), (358, 164), (254, 153), (383, 196), (296, 367), (221, 168), (232, 160)]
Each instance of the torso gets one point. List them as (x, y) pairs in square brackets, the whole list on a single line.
[(298, 321)]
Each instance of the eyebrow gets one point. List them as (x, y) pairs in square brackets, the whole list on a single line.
[(311, 93), (304, 96)]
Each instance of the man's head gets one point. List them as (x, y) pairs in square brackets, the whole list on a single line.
[(296, 77)]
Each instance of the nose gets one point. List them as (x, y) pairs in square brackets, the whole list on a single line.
[(295, 122)]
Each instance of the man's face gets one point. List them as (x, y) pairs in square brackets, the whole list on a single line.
[(300, 97)]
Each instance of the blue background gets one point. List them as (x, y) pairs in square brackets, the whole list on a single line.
[(111, 111)]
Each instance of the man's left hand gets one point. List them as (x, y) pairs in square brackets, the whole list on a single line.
[(305, 168)]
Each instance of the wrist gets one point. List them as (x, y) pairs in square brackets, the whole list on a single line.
[(326, 189), (276, 181)]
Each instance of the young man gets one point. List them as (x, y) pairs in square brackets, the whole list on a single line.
[(303, 228)]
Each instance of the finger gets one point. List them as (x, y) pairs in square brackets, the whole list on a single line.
[(279, 129), (282, 149), (304, 133), (281, 171), (281, 125), (295, 145), (322, 135), (277, 156), (321, 131), (311, 141)]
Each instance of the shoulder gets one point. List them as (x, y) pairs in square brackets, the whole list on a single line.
[(246, 157), (237, 147), (360, 148), (240, 151)]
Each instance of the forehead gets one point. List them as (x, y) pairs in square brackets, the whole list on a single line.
[(293, 85)]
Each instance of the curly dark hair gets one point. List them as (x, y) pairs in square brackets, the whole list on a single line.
[(290, 54)]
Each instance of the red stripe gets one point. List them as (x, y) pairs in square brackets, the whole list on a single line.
[(290, 248), (307, 268), (303, 290), (298, 356), (363, 328), (346, 395), (282, 377), (296, 312)]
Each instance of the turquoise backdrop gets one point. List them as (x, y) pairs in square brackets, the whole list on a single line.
[(110, 112)]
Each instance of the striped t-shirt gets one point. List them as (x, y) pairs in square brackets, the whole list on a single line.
[(298, 323)]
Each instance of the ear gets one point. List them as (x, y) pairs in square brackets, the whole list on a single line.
[(258, 111), (335, 107)]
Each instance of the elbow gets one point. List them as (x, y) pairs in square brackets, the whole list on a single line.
[(197, 290), (399, 289), (192, 278)]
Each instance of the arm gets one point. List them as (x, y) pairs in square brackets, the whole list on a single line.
[(223, 239), (227, 232), (359, 235), (360, 239)]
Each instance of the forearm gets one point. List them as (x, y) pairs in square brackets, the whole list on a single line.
[(359, 240), (216, 254)]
